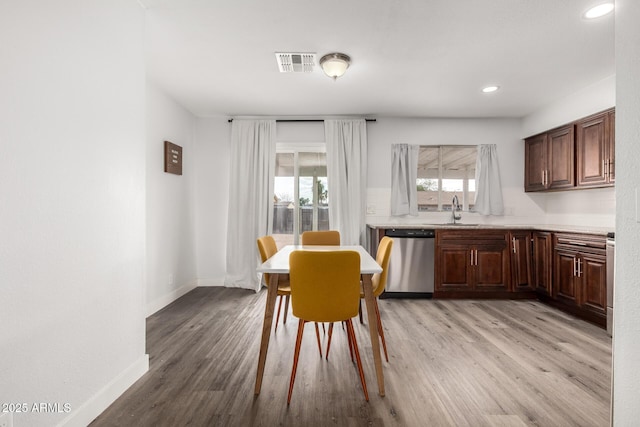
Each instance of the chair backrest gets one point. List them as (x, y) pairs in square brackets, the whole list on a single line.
[(324, 238), (379, 280), (325, 286), (267, 248)]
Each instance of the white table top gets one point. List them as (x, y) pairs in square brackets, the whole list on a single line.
[(279, 263)]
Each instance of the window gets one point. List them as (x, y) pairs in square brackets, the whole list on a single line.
[(445, 171), (301, 200)]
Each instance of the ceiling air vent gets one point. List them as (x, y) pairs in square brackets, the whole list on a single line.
[(296, 62)]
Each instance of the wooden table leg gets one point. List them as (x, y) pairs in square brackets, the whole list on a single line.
[(373, 329), (272, 293)]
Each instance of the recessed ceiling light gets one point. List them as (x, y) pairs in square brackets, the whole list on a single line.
[(489, 89), (598, 11)]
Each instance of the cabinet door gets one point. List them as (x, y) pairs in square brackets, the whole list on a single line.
[(535, 162), (560, 168), (520, 252), (542, 246), (592, 272), (564, 279), (611, 169), (592, 150), (491, 268), (454, 269)]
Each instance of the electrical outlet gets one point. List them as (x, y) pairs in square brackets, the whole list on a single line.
[(6, 419), (371, 209)]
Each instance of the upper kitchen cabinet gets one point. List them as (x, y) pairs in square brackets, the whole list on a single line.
[(577, 155), (595, 147), (549, 160)]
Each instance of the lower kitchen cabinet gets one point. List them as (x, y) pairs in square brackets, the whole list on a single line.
[(580, 276), (542, 257), (521, 277), (471, 263)]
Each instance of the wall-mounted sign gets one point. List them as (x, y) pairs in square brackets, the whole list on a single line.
[(172, 158)]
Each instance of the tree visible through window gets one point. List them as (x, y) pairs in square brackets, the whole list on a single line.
[(445, 171)]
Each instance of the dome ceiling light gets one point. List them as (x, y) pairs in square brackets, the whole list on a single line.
[(334, 65)]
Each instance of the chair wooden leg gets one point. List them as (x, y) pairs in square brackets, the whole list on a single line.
[(286, 309), (329, 341), (318, 338), (360, 312), (296, 354), (381, 331), (355, 349), (349, 341), (278, 314)]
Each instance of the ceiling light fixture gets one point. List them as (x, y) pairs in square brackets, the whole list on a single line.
[(489, 89), (598, 11), (334, 65)]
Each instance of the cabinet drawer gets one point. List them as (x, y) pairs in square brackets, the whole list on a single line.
[(592, 243)]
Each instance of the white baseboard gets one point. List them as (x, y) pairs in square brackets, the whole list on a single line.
[(93, 407), (167, 299), (211, 282)]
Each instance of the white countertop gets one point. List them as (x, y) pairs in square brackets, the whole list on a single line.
[(538, 227)]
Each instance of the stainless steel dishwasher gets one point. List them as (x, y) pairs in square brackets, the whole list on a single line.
[(411, 273)]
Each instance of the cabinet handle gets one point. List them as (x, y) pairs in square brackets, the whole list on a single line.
[(476, 257), (471, 257), (513, 241), (604, 167), (575, 268), (543, 184), (579, 267)]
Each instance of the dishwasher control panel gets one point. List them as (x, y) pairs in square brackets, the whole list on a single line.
[(409, 232)]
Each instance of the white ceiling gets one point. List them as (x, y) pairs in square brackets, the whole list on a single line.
[(410, 58)]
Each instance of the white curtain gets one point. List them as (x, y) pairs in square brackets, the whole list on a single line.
[(488, 189), (404, 173), (347, 178), (253, 154)]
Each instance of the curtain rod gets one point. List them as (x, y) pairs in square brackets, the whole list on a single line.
[(305, 120)]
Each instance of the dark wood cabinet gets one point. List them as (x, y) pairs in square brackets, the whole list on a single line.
[(594, 150), (542, 244), (471, 262), (549, 160), (535, 162), (580, 275), (577, 155), (520, 250)]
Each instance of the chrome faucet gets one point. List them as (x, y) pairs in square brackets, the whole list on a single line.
[(455, 206)]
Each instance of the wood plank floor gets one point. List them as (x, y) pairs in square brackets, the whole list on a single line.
[(452, 363)]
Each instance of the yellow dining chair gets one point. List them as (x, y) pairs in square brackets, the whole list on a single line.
[(378, 282), (267, 247), (321, 238), (325, 287)]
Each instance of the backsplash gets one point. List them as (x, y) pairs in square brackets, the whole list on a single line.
[(595, 207)]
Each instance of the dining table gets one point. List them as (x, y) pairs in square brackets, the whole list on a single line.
[(278, 265)]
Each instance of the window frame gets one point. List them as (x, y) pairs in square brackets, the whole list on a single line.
[(441, 207)]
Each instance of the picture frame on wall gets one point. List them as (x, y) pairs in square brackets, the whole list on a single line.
[(172, 158)]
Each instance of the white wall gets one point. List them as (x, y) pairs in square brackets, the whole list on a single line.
[(505, 133), (170, 221), (72, 210), (626, 346), (211, 164), (592, 99)]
